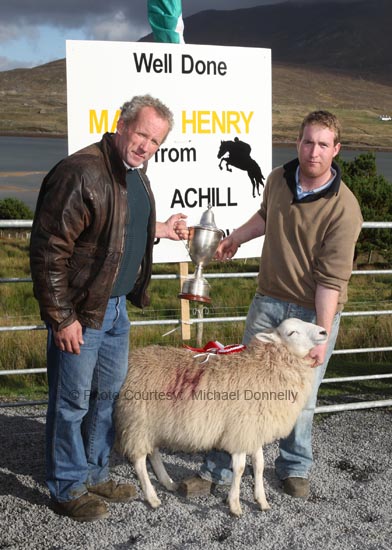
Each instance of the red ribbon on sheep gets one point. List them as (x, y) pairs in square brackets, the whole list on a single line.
[(218, 348)]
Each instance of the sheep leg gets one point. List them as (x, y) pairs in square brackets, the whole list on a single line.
[(148, 490), (160, 471), (238, 465), (258, 469)]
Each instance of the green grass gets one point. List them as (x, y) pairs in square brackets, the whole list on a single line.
[(230, 298)]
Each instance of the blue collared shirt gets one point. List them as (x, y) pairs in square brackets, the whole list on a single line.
[(301, 194)]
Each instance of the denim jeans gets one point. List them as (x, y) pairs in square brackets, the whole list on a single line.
[(295, 451), (82, 393)]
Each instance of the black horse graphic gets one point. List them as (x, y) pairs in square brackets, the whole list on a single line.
[(239, 157)]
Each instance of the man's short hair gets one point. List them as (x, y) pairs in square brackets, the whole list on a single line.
[(130, 109), (322, 118)]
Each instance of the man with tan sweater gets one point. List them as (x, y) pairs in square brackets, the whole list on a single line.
[(311, 222)]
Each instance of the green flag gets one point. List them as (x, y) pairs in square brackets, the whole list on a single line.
[(165, 17)]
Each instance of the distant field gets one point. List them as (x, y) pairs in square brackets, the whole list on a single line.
[(358, 104)]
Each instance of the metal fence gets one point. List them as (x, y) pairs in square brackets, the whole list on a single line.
[(21, 224)]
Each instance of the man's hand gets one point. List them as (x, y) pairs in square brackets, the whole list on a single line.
[(227, 248), (317, 354), (181, 229), (254, 227), (167, 229), (69, 338)]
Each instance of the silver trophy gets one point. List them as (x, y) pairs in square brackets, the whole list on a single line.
[(203, 242)]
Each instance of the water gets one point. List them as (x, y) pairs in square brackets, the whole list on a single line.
[(30, 154), (25, 160)]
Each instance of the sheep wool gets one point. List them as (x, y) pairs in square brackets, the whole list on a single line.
[(238, 402)]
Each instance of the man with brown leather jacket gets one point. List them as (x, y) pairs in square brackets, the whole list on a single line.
[(91, 248)]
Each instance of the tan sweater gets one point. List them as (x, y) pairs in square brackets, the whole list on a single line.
[(307, 243)]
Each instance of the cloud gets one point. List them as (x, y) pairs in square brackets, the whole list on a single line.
[(72, 13), (85, 13), (25, 25), (8, 32), (32, 34), (116, 26)]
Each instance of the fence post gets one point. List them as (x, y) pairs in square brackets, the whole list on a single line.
[(185, 312)]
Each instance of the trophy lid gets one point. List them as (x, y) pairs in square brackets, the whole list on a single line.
[(207, 219)]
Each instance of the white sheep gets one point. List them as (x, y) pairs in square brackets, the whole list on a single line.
[(238, 402)]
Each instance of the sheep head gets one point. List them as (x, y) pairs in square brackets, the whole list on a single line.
[(297, 336)]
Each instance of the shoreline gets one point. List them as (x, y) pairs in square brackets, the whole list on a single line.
[(347, 146), (33, 135)]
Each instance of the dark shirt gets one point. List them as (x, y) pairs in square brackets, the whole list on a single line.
[(135, 234)]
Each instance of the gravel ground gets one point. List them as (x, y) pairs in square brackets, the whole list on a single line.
[(350, 504)]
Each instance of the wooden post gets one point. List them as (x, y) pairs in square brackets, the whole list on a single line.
[(185, 311)]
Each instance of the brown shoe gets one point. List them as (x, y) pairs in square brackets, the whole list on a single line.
[(195, 487), (297, 487), (85, 508), (113, 492)]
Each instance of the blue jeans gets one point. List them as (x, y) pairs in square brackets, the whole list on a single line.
[(295, 451), (82, 393)]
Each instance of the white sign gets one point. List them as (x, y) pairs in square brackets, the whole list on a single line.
[(221, 146)]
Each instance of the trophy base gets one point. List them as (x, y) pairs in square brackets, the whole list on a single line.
[(194, 298), (195, 289)]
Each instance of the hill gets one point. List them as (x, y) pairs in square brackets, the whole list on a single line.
[(34, 101), (350, 37), (326, 55)]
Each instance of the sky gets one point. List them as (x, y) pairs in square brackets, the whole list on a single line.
[(34, 33)]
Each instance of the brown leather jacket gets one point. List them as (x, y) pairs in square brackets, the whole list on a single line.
[(77, 237)]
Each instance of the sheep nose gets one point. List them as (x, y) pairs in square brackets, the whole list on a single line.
[(323, 332)]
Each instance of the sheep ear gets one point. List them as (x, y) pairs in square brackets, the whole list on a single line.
[(268, 335)]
